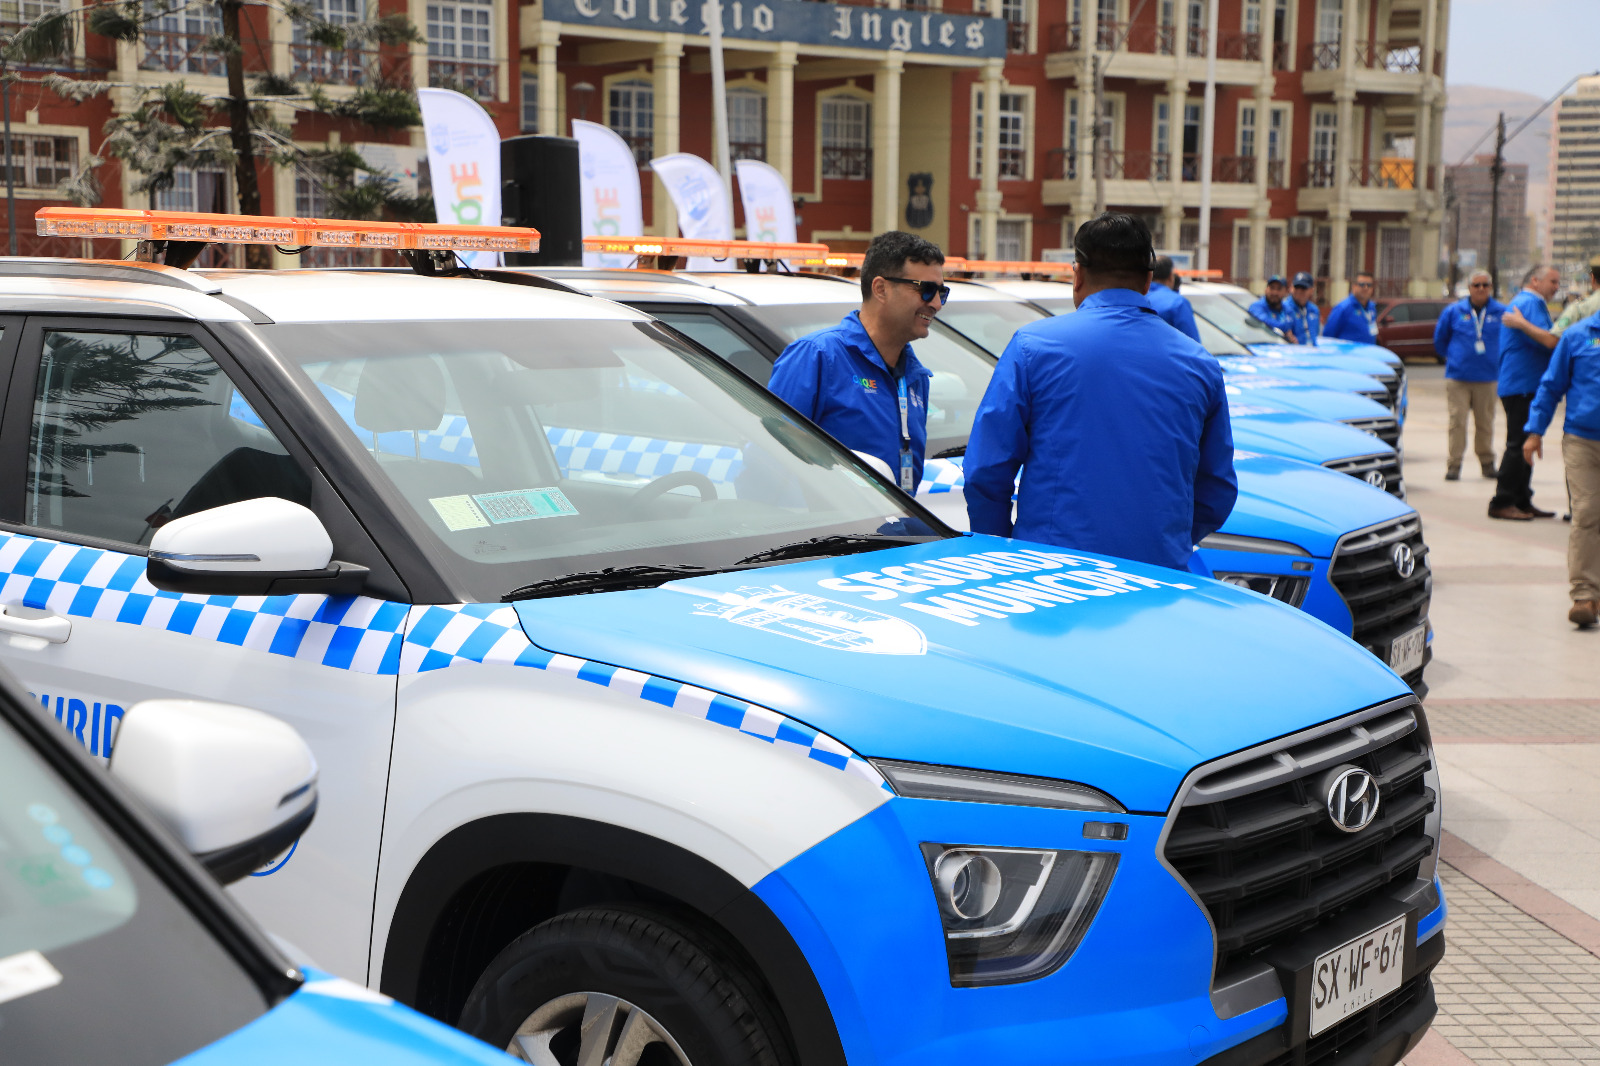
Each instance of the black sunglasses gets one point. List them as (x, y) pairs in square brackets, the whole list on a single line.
[(927, 289)]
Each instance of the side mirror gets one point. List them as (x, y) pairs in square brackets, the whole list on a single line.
[(265, 547), (236, 786)]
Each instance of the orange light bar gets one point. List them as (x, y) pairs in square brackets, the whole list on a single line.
[(832, 261), (1212, 273), (1007, 266), (685, 246), (268, 229)]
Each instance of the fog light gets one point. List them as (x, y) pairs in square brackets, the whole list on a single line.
[(969, 884)]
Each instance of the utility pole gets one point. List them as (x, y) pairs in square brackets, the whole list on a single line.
[(1452, 204), (1207, 138), (1495, 171), (1101, 135)]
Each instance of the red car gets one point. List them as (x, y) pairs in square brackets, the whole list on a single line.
[(1405, 327)]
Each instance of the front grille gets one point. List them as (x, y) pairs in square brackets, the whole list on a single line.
[(1386, 465), (1255, 844), (1385, 429), (1391, 384), (1383, 604), (1363, 1028), (1379, 396)]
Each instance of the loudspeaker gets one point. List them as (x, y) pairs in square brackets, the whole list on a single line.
[(540, 189)]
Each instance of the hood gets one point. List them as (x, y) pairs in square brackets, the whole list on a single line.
[(1334, 359), (1322, 377), (1309, 400), (1282, 499), (1361, 348), (1292, 436), (1123, 690)]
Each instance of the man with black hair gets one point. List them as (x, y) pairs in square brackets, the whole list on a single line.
[(1118, 423), (1272, 308), (1305, 318), (1355, 318), (859, 380), (1173, 309)]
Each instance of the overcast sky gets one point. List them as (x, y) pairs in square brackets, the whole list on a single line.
[(1532, 46)]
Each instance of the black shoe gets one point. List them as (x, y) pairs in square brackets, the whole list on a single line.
[(1490, 472), (1513, 514), (1531, 509), (1453, 474)]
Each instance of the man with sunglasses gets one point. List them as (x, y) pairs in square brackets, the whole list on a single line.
[(859, 380), (1467, 338), (1355, 318), (1118, 422)]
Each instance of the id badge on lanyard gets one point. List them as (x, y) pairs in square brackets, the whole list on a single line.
[(906, 473), (1477, 324), (1372, 322)]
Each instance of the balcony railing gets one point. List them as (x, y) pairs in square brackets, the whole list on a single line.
[(1245, 46), (1235, 169), (1061, 164), (1371, 55), (1152, 40), (179, 53), (1280, 55), (756, 150), (1195, 39), (1320, 174), (1068, 36), (1190, 161), (1275, 169), (1323, 55), (846, 164), (1016, 36), (473, 79), (330, 66), (1399, 174)]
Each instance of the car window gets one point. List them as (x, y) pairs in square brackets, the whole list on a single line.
[(132, 430), (1400, 313), (102, 963), (1234, 320), (989, 323), (706, 329)]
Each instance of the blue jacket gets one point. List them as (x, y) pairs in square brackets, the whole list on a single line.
[(1455, 338), (836, 378), (1174, 309), (1523, 359), (1305, 322), (1120, 427), (1279, 319), (1350, 321), (1574, 372)]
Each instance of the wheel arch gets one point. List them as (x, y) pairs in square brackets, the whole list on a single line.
[(488, 881)]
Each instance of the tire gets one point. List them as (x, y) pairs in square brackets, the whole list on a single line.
[(644, 983)]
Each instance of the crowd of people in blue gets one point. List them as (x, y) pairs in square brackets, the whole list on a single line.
[(1119, 426)]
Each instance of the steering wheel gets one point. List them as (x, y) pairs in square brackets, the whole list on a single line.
[(667, 482)]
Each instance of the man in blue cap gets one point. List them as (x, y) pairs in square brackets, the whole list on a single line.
[(1173, 308), (1118, 423), (1467, 338), (1272, 308), (859, 380), (1305, 317), (1525, 343), (1355, 318)]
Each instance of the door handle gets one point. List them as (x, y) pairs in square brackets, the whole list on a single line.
[(30, 622)]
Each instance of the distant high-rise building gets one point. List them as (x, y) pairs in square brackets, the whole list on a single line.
[(1474, 194), (1575, 177)]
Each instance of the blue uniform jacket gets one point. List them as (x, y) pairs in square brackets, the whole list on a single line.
[(836, 378), (1455, 338), (1174, 309), (1351, 321), (1279, 319), (1306, 322), (1120, 426), (1523, 359), (1574, 372)]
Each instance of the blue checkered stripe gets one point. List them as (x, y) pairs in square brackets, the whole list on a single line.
[(940, 475), (346, 632), (611, 453), (439, 636)]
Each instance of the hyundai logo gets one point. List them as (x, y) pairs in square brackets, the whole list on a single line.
[(1352, 797), (1404, 559), (1376, 479)]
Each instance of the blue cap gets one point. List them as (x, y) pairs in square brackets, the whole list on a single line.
[(1303, 280), (1276, 279)]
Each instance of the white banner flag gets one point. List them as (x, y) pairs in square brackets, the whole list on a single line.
[(702, 202), (768, 207), (608, 177), (464, 163)]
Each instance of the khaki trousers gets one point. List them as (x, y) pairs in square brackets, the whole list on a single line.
[(1478, 398), (1581, 458)]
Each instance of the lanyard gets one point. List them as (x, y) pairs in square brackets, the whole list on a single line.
[(1372, 320), (905, 436), (1478, 318)]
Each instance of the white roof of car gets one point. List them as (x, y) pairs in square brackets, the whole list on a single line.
[(1029, 289), (1211, 288), (784, 288), (645, 285)]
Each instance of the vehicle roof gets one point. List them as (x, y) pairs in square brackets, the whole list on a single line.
[(1028, 288), (642, 285), (784, 288), (1217, 288)]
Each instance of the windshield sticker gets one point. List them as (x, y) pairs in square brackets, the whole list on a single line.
[(458, 513), (523, 505), (25, 973), (813, 619)]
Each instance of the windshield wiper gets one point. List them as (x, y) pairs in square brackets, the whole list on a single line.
[(610, 579), (950, 453), (834, 544)]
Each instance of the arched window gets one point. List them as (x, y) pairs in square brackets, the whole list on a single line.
[(632, 114), (747, 123)]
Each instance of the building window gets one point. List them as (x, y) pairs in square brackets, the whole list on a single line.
[(1324, 148), (461, 47), (1197, 28), (1252, 17), (846, 138), (1191, 141), (1015, 12), (530, 104), (196, 189), (1330, 31), (747, 124), (311, 201), (1189, 235), (1272, 251), (1241, 251), (631, 106), (1247, 131), (1394, 260), (1013, 123), (42, 162), (172, 37), (313, 62), (1010, 240)]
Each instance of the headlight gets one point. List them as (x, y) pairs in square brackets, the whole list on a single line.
[(1014, 914), (1290, 590), (916, 780), (1227, 542)]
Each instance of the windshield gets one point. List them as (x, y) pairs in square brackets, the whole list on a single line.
[(960, 369), (99, 962), (1234, 320), (1213, 340), (529, 450), (987, 323)]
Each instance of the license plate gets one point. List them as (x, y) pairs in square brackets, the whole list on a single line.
[(1405, 653), (1356, 975)]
